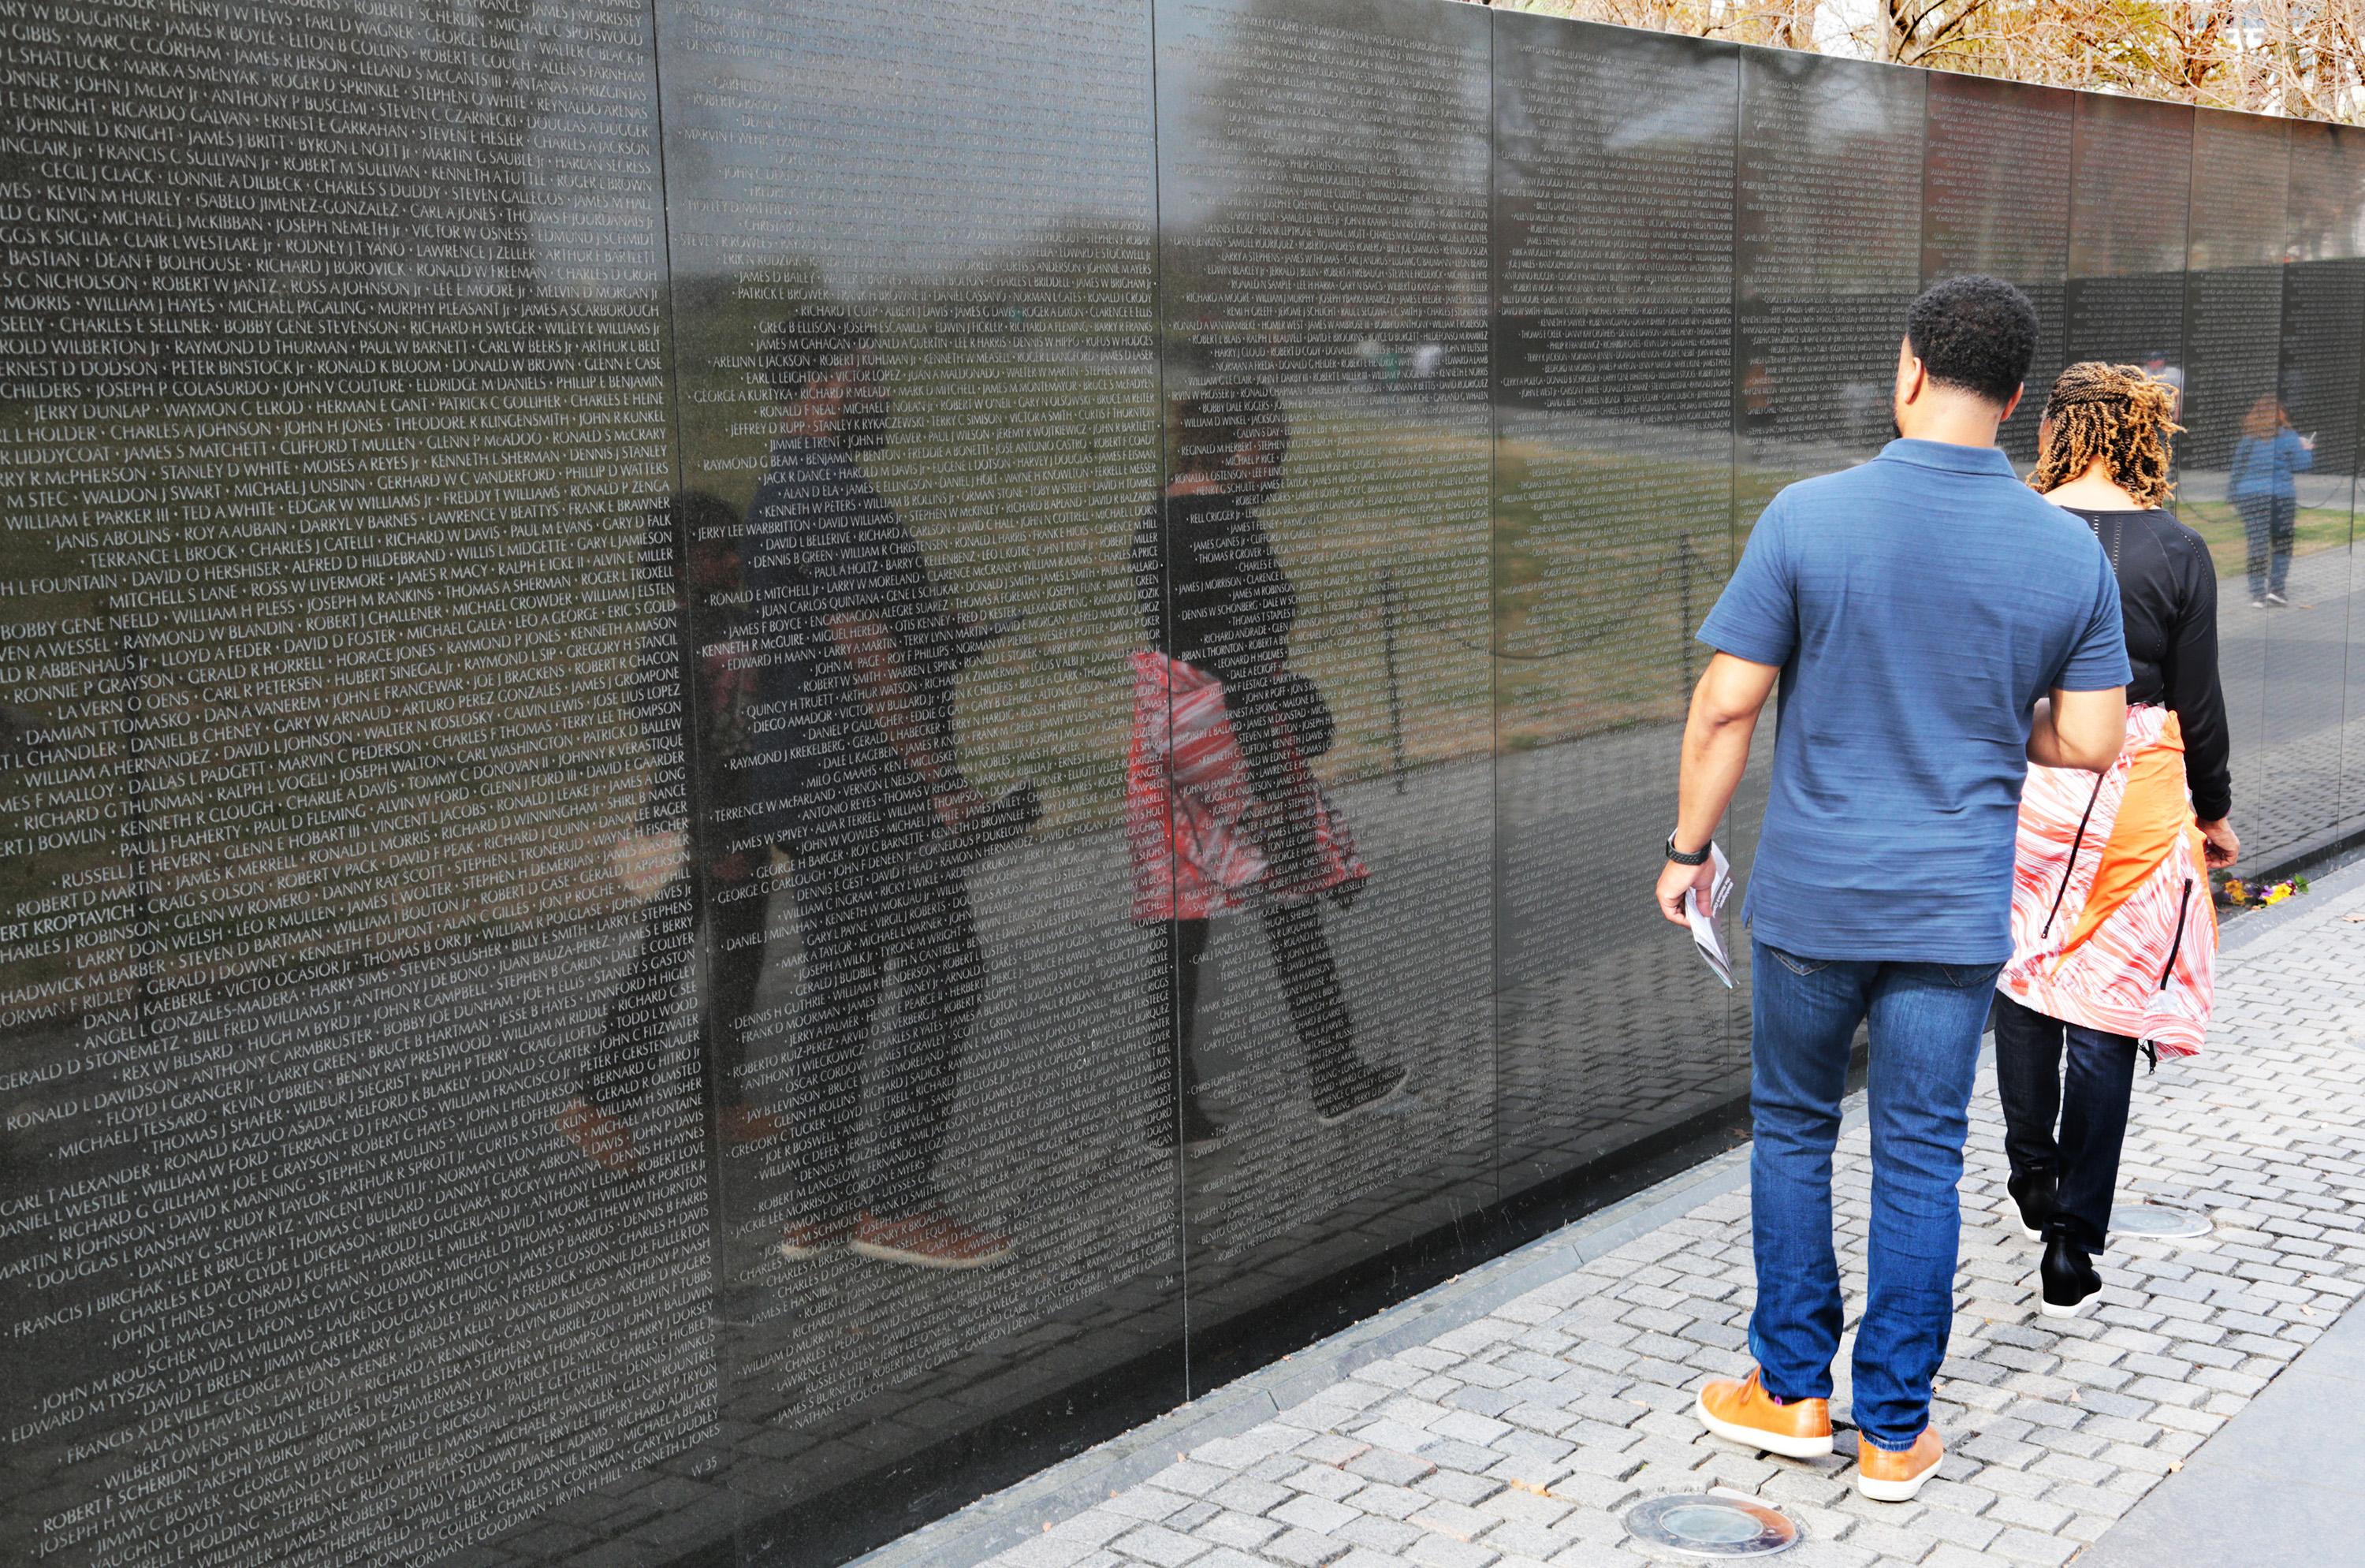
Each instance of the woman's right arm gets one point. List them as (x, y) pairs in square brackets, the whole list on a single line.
[(2297, 449), (2194, 690)]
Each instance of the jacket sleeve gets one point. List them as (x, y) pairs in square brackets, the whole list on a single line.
[(2193, 687), (2302, 459)]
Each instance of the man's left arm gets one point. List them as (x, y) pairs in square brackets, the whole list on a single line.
[(1725, 704), (2085, 723)]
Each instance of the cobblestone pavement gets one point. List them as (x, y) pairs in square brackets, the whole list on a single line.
[(1519, 1435)]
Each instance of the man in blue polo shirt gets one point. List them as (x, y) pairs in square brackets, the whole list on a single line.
[(1935, 625)]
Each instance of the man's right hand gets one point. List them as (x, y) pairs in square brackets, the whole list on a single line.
[(1675, 880), (2221, 846)]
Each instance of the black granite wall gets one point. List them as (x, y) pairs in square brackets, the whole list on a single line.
[(573, 711)]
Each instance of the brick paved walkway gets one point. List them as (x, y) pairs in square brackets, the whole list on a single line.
[(1517, 1437)]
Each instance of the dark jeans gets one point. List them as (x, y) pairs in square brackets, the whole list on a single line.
[(631, 1046), (2091, 1106), (1925, 1022), (2271, 523), (873, 901), (1309, 981)]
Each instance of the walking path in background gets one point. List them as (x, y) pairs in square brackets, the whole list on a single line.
[(1509, 1417)]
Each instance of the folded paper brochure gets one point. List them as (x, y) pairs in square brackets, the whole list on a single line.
[(1706, 935)]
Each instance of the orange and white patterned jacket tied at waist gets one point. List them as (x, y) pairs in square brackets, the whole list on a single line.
[(2111, 922), (1190, 813)]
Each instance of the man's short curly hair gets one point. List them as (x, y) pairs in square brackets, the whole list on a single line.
[(1976, 335)]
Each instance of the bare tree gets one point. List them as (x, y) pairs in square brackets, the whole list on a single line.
[(2300, 58), (1786, 24)]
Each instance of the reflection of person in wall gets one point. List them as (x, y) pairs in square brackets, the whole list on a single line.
[(2263, 488), (2157, 367), (2114, 938), (708, 682), (854, 771), (1223, 812), (1428, 367)]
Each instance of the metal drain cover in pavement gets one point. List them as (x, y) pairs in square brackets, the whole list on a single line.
[(1714, 1524), (2159, 1221)]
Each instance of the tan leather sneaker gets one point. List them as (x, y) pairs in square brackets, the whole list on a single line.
[(1745, 1413), (1887, 1477)]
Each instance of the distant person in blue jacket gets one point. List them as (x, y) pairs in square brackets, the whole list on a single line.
[(2265, 491)]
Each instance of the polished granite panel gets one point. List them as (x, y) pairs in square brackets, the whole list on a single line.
[(1323, 207), (336, 403), (2325, 222), (1995, 198), (1827, 257), (1613, 460), (2125, 296), (912, 266), (2233, 354), (2307, 665)]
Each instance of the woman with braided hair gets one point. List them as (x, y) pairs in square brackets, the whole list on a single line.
[(2114, 939)]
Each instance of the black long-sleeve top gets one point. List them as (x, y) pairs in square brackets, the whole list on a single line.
[(692, 703), (1212, 594), (2168, 593), (1210, 590)]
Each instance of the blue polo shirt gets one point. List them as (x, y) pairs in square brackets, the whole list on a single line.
[(1918, 605)]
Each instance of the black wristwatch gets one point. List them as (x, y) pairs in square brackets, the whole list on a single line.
[(1697, 857)]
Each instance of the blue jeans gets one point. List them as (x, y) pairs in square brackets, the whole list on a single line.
[(1925, 1022), (2270, 524)]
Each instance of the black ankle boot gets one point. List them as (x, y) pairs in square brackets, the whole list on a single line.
[(2066, 1279), (2034, 1191)]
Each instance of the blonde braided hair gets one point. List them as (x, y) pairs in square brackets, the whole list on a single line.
[(2116, 412)]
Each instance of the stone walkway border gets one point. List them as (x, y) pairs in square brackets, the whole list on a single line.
[(1066, 1515)]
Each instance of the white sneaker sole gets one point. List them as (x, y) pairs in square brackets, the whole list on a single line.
[(2049, 1310), (1892, 1491), (927, 1259), (1768, 1442)]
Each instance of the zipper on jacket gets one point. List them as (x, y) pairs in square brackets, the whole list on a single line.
[(2183, 911), (2074, 845)]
